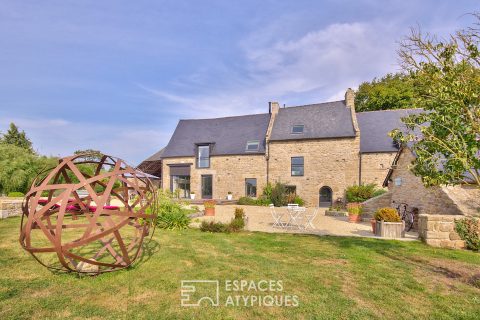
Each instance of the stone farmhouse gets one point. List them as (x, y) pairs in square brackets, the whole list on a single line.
[(317, 150)]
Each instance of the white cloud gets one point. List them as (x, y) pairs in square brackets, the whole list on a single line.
[(317, 66)]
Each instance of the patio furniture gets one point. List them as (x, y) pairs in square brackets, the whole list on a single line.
[(296, 216), (277, 218), (309, 219)]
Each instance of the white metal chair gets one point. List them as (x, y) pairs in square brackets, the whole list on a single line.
[(296, 216), (277, 218), (309, 219)]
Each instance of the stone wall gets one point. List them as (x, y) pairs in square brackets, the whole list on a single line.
[(439, 231), (228, 174), (375, 166), (10, 207), (327, 162), (411, 191), (373, 204)]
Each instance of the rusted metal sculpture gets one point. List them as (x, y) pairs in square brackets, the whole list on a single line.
[(68, 223)]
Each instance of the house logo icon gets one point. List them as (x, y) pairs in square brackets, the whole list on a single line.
[(195, 293)]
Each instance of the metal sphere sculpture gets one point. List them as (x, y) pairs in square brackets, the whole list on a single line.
[(69, 224)]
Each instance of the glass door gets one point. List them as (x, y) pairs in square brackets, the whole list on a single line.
[(207, 187)]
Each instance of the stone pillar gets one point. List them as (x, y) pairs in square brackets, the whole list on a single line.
[(439, 231)]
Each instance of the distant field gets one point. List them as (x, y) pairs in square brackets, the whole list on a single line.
[(333, 277)]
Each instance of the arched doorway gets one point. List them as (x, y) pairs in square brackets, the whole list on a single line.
[(325, 197)]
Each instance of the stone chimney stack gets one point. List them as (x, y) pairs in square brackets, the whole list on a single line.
[(350, 102), (350, 98), (273, 108)]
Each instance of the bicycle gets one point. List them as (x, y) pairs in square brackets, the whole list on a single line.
[(407, 215)]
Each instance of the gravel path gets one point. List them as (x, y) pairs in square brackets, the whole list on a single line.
[(260, 219)]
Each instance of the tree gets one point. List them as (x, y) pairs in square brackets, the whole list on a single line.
[(92, 154), (446, 78), (393, 91), (17, 138), (19, 166)]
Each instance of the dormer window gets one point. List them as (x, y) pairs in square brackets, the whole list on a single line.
[(297, 129), (253, 145)]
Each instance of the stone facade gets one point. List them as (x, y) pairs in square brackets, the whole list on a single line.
[(375, 166), (408, 188), (327, 162), (10, 207), (373, 204), (439, 231), (228, 174)]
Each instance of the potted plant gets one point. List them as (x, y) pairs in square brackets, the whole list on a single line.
[(389, 224), (229, 195), (209, 207), (373, 222), (354, 210), (192, 195)]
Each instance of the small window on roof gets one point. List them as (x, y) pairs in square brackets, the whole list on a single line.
[(253, 145), (297, 128)]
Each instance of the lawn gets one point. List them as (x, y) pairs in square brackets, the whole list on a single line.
[(333, 277)]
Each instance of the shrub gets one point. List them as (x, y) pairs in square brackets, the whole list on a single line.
[(469, 230), (354, 208), (209, 204), (267, 191), (173, 220), (15, 194), (299, 201), (213, 226), (362, 192), (171, 214), (278, 196), (239, 213), (247, 201), (237, 223), (387, 215)]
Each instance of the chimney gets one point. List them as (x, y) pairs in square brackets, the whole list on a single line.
[(350, 102), (273, 108), (350, 98)]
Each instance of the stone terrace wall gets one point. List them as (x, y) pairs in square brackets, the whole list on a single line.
[(439, 231), (371, 205), (10, 207)]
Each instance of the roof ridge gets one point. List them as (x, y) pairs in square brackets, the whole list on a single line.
[(313, 104), (227, 117), (387, 110)]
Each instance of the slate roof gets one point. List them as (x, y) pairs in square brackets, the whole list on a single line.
[(375, 126), (229, 135), (156, 156), (322, 120)]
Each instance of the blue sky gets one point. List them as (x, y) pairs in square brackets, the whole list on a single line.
[(118, 75)]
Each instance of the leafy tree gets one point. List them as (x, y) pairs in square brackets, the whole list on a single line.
[(93, 154), (393, 91), (17, 138), (446, 78), (19, 166)]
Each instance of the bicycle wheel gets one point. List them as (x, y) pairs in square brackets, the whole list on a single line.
[(409, 219)]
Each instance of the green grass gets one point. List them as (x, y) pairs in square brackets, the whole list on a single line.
[(334, 278)]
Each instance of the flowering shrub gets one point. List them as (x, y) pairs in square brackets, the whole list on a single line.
[(387, 215)]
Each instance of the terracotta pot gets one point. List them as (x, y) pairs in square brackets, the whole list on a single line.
[(209, 211), (374, 225), (355, 218)]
